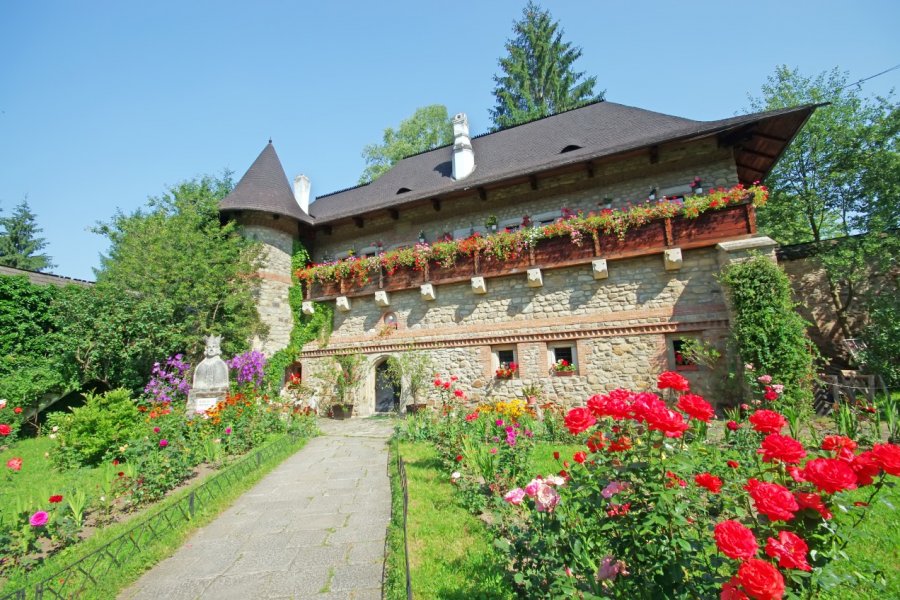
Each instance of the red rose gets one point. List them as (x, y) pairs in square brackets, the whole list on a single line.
[(731, 590), (830, 475), (459, 458), (813, 502), (14, 463), (773, 500), (18, 410), (579, 419), (888, 456), (734, 540), (696, 407), (732, 426), (838, 442), (674, 381), (761, 580), (781, 447), (615, 404), (767, 421), (770, 394), (733, 464), (671, 423), (795, 473), (790, 550), (866, 467), (708, 481), (556, 455), (5, 429), (579, 457), (55, 499)]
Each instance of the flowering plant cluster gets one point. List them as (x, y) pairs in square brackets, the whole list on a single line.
[(168, 381), (507, 370), (563, 366), (10, 421), (447, 390), (749, 518), (250, 368), (505, 245)]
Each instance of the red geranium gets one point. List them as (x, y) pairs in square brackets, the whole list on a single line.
[(761, 580), (830, 475), (735, 540), (767, 421), (55, 499), (579, 419), (5, 429), (709, 481), (773, 500), (781, 447), (790, 550), (696, 407), (813, 502), (673, 381), (888, 456)]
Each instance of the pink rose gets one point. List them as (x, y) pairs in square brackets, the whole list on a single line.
[(609, 568), (614, 487), (533, 485), (515, 496), (39, 519), (546, 498), (764, 379)]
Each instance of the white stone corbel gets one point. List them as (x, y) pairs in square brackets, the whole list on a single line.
[(382, 299), (308, 308), (478, 285), (672, 259), (534, 278), (343, 303), (427, 291), (599, 269)]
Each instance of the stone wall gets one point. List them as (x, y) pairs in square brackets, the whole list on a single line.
[(277, 239), (617, 183)]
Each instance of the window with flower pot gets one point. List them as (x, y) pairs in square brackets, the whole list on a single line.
[(505, 363), (562, 358), (680, 357)]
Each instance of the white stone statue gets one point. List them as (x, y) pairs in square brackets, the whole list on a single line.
[(210, 379)]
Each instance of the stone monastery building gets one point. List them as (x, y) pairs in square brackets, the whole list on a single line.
[(618, 307)]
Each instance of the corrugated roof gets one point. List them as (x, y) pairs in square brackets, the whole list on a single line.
[(600, 129), (264, 187)]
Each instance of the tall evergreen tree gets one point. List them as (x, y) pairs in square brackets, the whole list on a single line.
[(20, 245), (537, 77)]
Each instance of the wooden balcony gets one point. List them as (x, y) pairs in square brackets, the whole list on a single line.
[(710, 228)]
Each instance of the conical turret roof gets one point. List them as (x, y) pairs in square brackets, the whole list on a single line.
[(265, 188)]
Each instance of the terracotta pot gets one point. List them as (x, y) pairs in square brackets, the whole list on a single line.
[(564, 373), (341, 411)]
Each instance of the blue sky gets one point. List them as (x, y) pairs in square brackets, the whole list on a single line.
[(103, 104)]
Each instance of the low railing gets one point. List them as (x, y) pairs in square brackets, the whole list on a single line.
[(73, 580), (707, 229), (401, 469)]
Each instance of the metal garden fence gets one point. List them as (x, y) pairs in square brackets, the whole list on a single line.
[(401, 469), (73, 580)]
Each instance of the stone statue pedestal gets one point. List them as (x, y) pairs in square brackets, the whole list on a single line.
[(200, 401)]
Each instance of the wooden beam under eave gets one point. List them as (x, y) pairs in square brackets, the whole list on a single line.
[(654, 155), (482, 193), (395, 214), (758, 153), (326, 229), (359, 222), (771, 138), (436, 204), (748, 167), (589, 166), (533, 180)]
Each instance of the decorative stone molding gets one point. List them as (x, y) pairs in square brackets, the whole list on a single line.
[(308, 308), (382, 299), (599, 268), (342, 303), (427, 292), (534, 278), (500, 340), (478, 285), (672, 259)]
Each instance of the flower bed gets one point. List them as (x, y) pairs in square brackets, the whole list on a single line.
[(650, 226)]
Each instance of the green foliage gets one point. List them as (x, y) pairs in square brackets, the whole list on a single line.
[(537, 77), (176, 257), (19, 241), (429, 127), (413, 370), (345, 374), (882, 334), (97, 429), (766, 330)]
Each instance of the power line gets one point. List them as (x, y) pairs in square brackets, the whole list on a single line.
[(895, 67)]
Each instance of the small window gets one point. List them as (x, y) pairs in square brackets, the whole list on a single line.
[(682, 362), (563, 353), (505, 363), (562, 359), (506, 356)]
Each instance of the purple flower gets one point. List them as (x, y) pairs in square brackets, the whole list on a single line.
[(250, 367), (39, 519), (163, 443), (167, 381)]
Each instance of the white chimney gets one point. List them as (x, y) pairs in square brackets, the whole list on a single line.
[(301, 192), (463, 155)]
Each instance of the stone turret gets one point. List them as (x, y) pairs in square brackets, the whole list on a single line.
[(270, 213)]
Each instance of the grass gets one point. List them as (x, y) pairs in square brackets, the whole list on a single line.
[(451, 551), (117, 577)]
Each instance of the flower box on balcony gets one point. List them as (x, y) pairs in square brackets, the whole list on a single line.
[(464, 268), (563, 373), (562, 249), (492, 266)]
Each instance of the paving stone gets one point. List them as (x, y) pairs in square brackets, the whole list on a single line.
[(366, 552), (356, 577)]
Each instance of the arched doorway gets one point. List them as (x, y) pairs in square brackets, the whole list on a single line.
[(387, 393)]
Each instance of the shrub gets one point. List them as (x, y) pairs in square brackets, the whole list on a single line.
[(766, 330), (98, 428)]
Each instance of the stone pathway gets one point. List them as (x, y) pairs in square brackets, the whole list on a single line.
[(314, 527)]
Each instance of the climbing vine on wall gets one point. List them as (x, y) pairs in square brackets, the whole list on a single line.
[(306, 327)]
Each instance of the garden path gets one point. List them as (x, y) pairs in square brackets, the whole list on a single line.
[(312, 528)]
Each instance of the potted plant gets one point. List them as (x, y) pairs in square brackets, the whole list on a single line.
[(507, 370), (491, 223), (411, 371), (532, 393), (562, 368), (346, 373)]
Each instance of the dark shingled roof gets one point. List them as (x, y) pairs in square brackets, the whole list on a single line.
[(264, 187), (44, 278), (601, 129)]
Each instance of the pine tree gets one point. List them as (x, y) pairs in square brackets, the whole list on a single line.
[(537, 78), (19, 244)]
